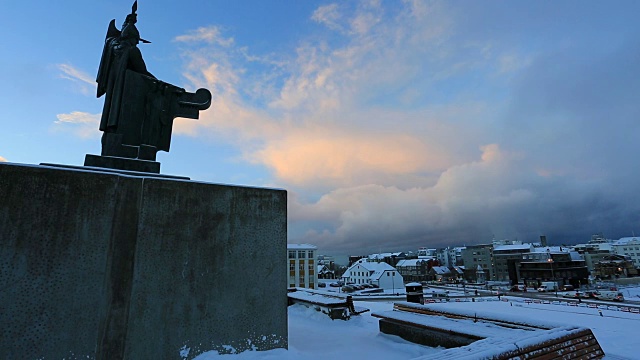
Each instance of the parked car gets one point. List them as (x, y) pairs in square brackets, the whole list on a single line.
[(348, 288), (590, 294), (322, 285), (518, 287), (576, 295), (334, 284), (568, 288), (611, 295)]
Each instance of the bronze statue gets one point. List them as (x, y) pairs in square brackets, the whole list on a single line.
[(139, 109)]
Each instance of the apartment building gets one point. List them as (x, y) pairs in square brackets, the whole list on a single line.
[(302, 265), (628, 246)]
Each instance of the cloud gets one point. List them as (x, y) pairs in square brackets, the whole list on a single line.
[(85, 82), (3, 159), (328, 15), (81, 124), (405, 126), (209, 35)]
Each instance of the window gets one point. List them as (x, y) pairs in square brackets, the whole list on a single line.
[(301, 267), (292, 254), (301, 254), (310, 254), (292, 267)]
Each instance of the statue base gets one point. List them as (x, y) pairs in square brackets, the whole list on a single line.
[(120, 163), (102, 264)]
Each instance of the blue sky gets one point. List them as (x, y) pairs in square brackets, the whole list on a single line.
[(392, 124)]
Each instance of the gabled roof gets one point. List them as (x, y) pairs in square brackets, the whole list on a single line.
[(441, 270), (377, 268), (410, 262)]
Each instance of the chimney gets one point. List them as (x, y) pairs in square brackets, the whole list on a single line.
[(543, 240)]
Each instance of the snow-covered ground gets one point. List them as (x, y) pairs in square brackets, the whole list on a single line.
[(313, 335)]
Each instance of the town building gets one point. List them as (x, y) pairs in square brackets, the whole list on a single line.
[(366, 271), (628, 246), (594, 251), (480, 255), (614, 266), (389, 258), (425, 253), (450, 256), (413, 269), (441, 274), (302, 265), (324, 272), (553, 263), (507, 260)]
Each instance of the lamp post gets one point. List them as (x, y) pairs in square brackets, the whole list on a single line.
[(553, 277), (393, 283)]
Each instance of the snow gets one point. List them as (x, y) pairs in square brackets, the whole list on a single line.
[(313, 335)]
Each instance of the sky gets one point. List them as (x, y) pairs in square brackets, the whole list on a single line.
[(393, 125)]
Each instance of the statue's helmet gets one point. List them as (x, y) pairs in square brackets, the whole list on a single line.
[(130, 31)]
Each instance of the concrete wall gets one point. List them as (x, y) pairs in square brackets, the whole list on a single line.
[(108, 266)]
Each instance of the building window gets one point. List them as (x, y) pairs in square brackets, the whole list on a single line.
[(292, 267), (310, 254), (301, 254), (292, 254)]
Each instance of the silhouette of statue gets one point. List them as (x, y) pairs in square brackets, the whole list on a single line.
[(138, 112)]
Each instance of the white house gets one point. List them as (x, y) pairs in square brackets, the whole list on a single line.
[(372, 272)]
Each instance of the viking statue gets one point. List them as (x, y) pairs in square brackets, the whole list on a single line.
[(139, 109)]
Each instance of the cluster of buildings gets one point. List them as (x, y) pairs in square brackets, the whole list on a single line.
[(506, 261)]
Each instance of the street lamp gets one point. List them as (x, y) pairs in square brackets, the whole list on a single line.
[(393, 283), (550, 261)]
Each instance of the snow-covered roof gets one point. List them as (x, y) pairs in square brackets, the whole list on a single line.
[(377, 268), (575, 255), (301, 247), (384, 255), (552, 249), (322, 268), (627, 241), (409, 262), (526, 247), (441, 270)]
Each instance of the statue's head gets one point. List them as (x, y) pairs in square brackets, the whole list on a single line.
[(130, 33), (131, 19)]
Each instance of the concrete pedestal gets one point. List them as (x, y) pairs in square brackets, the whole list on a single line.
[(113, 266)]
